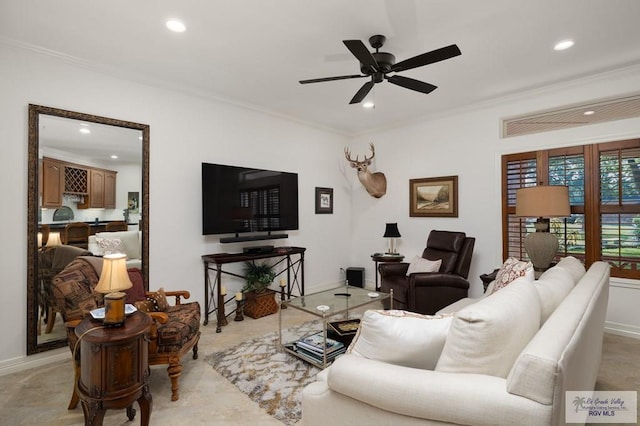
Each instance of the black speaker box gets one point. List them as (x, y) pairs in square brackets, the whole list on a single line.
[(355, 276)]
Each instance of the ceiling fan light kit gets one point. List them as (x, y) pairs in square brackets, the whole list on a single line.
[(378, 64)]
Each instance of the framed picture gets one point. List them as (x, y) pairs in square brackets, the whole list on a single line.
[(133, 202), (433, 197), (324, 200)]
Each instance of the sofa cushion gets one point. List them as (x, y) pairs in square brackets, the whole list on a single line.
[(511, 270), (401, 338), (182, 325), (419, 264), (571, 265), (487, 336), (458, 304), (130, 239), (553, 286)]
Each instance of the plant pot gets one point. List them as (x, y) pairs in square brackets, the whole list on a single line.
[(258, 305)]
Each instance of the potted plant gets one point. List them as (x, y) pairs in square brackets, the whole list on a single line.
[(259, 299)]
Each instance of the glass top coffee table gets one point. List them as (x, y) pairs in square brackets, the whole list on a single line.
[(326, 304)]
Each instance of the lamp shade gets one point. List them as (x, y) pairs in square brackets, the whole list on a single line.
[(543, 201), (391, 231), (114, 276), (54, 239)]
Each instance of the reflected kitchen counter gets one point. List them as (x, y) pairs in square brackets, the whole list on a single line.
[(99, 226)]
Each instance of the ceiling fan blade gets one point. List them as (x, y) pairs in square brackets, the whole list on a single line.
[(341, 77), (410, 83), (362, 93), (361, 52), (428, 58)]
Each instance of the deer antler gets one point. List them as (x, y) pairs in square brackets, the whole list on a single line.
[(347, 154), (373, 152)]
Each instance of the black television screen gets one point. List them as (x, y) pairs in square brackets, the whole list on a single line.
[(241, 199)]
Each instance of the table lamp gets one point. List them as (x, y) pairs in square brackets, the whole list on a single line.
[(113, 279), (391, 232), (542, 202)]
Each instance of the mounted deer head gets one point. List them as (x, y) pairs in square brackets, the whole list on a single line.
[(374, 183)]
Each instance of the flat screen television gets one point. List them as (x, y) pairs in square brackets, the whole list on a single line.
[(242, 200)]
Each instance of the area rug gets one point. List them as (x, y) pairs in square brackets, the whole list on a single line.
[(271, 378)]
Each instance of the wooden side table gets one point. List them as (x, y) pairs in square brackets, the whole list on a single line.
[(114, 369), (384, 258)]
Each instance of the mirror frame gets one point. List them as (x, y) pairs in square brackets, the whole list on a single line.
[(32, 211)]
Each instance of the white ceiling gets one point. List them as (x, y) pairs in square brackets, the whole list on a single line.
[(253, 52)]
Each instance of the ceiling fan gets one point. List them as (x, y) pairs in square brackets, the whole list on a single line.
[(378, 64)]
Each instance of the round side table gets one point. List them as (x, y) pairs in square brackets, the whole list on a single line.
[(114, 368)]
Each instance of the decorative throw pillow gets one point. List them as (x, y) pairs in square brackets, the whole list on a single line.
[(401, 338), (486, 337), (110, 245), (419, 264), (130, 240), (159, 300), (510, 270), (136, 293)]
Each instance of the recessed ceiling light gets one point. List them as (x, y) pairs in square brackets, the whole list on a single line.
[(590, 112), (84, 130), (114, 157), (368, 104), (176, 26), (563, 45)]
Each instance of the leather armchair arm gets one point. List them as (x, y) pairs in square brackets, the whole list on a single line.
[(393, 269), (431, 279)]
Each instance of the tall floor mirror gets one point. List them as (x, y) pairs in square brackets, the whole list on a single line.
[(82, 169)]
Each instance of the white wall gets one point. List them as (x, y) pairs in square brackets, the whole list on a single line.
[(468, 144), (187, 130)]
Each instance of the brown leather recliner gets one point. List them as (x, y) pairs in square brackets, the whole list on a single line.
[(428, 292)]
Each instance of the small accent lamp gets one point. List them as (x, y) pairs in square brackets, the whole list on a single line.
[(542, 202), (391, 232), (54, 240), (113, 279)]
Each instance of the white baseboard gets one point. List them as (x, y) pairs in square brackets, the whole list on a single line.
[(625, 330), (23, 363)]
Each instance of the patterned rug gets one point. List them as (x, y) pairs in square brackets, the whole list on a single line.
[(272, 379)]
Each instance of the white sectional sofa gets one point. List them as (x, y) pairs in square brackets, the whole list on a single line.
[(506, 359)]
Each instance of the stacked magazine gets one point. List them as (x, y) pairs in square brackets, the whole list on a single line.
[(311, 348)]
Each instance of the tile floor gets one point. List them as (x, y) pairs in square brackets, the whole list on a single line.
[(40, 395)]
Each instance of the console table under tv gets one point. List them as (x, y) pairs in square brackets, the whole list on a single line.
[(292, 259)]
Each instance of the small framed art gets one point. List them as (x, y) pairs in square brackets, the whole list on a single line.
[(433, 197), (324, 200)]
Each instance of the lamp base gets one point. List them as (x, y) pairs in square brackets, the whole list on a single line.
[(114, 309), (541, 248)]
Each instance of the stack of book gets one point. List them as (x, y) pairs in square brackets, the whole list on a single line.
[(312, 348)]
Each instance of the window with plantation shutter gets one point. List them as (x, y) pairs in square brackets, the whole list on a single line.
[(620, 208), (566, 167), (520, 171), (604, 194)]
